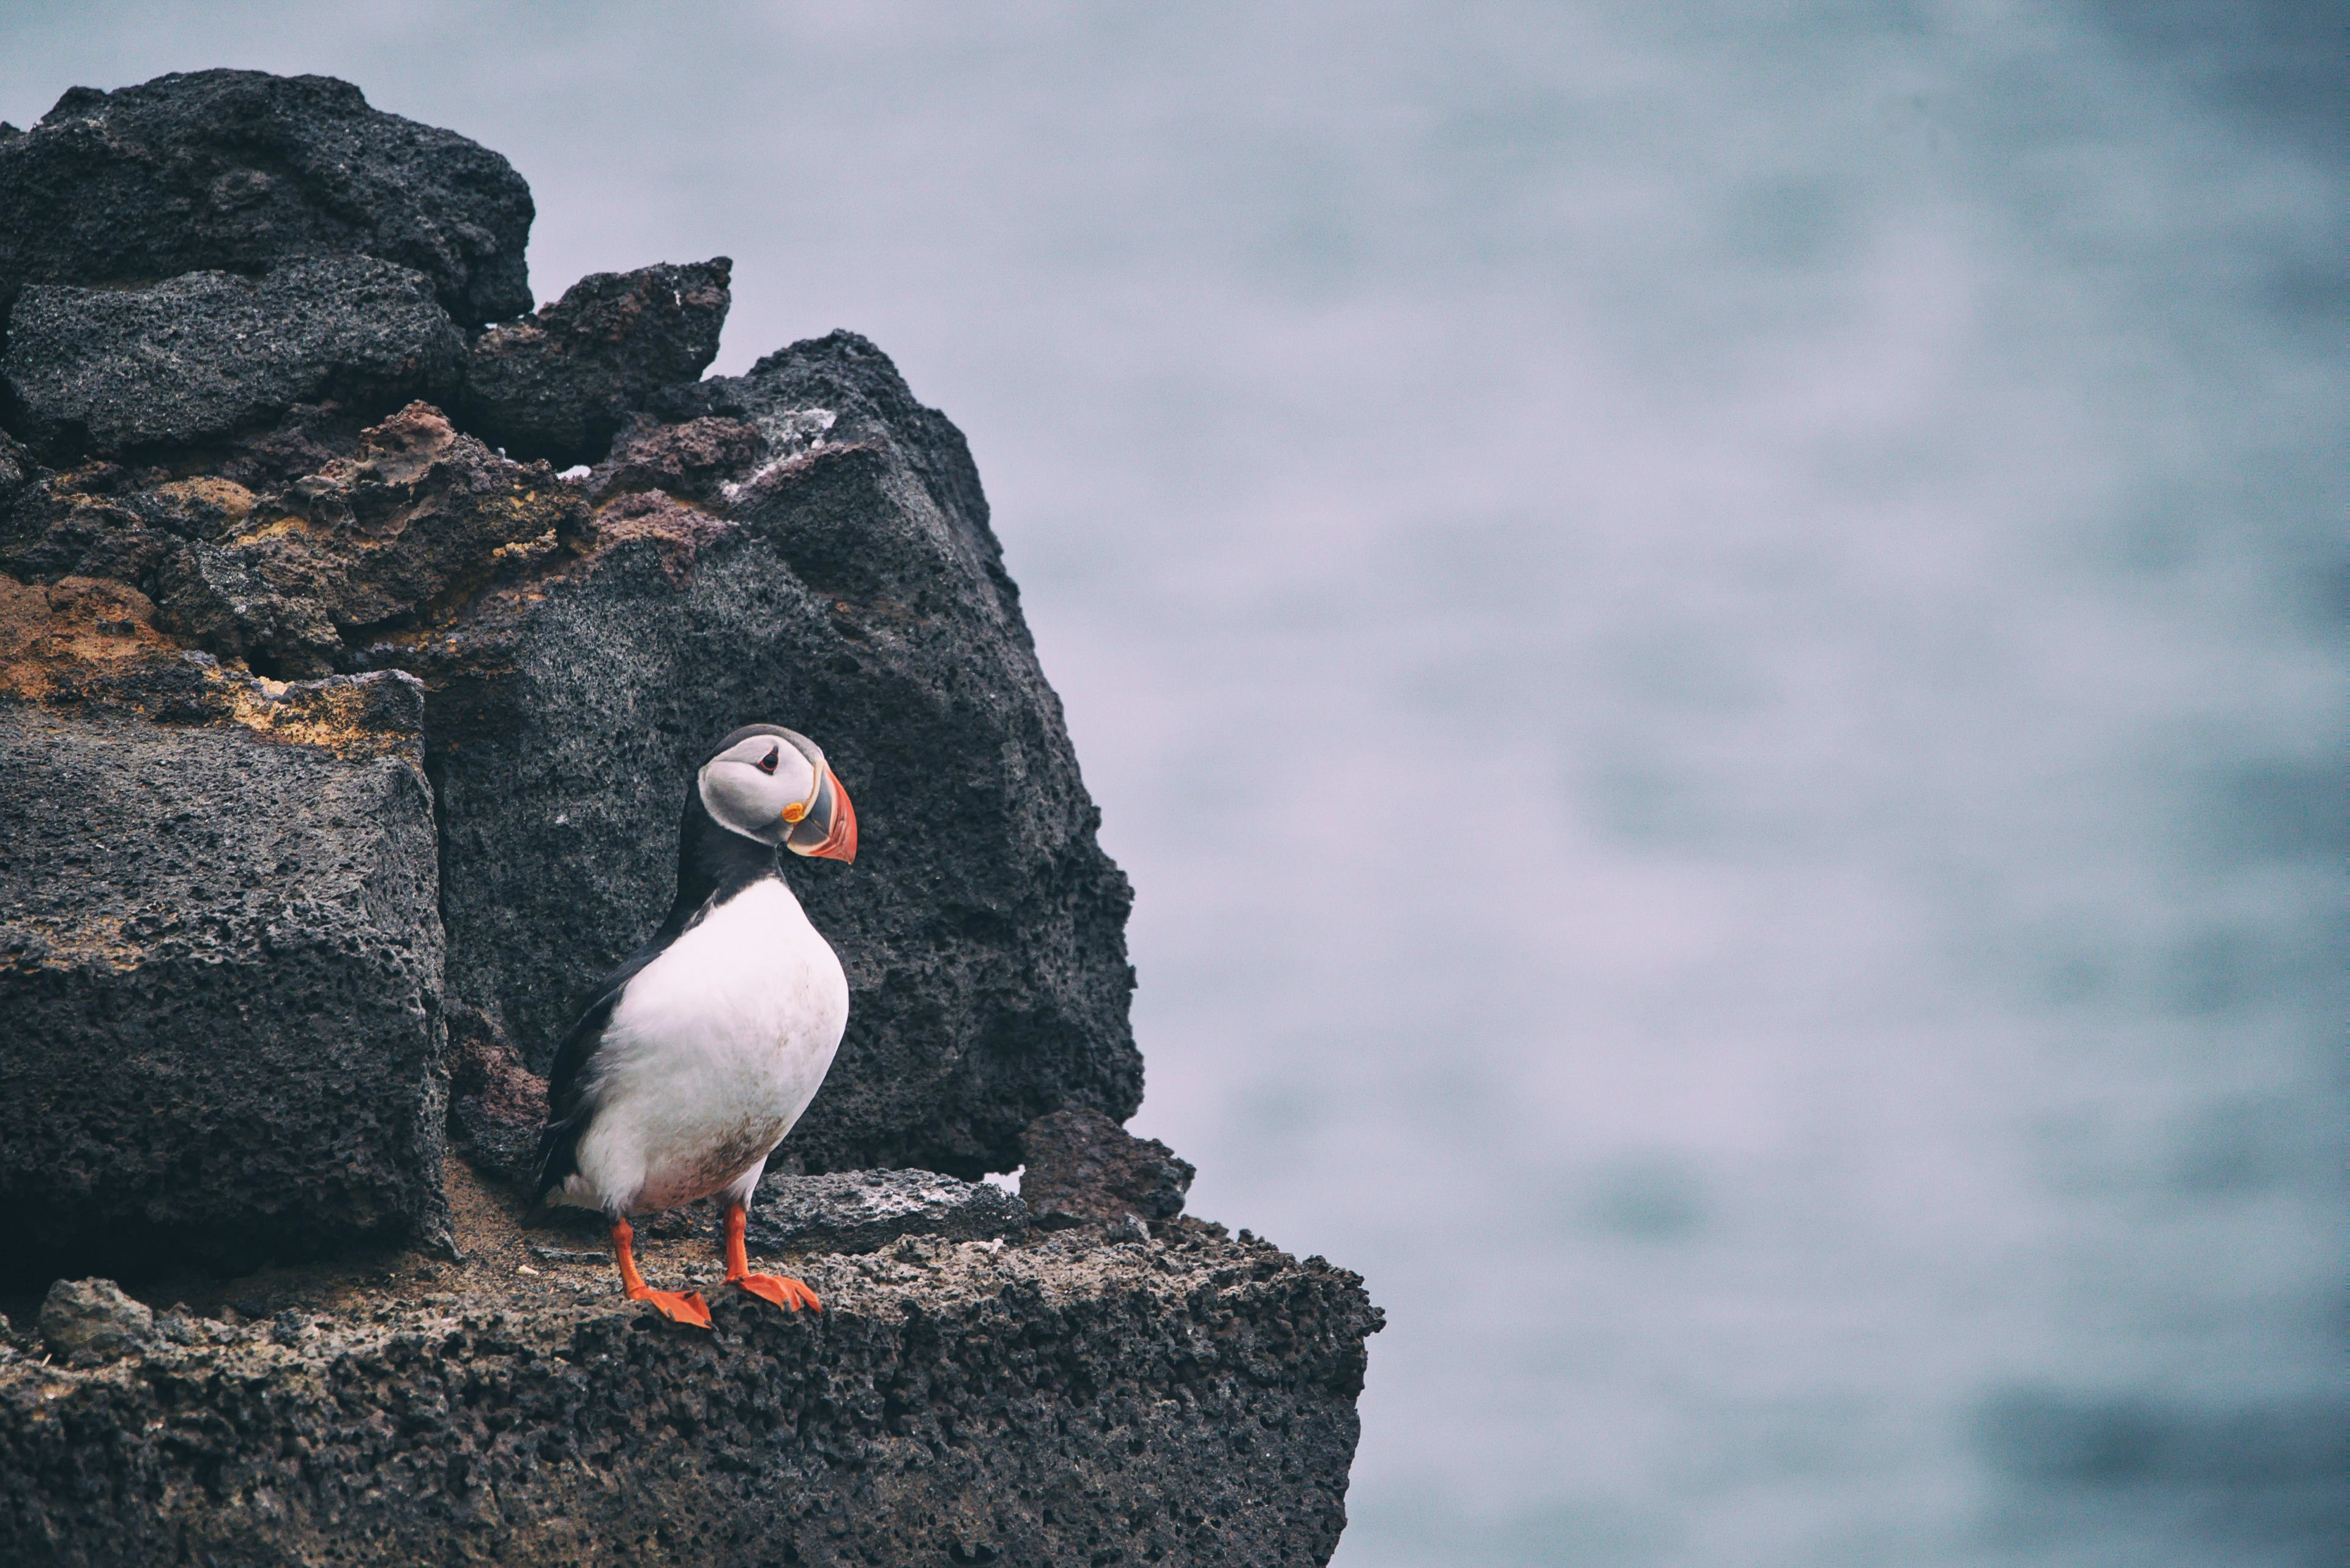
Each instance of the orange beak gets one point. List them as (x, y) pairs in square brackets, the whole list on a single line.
[(828, 832)]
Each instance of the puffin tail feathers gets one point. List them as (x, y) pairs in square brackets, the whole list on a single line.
[(558, 1148)]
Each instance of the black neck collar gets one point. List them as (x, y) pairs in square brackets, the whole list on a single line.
[(713, 863)]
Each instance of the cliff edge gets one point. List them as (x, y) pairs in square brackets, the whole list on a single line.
[(342, 741)]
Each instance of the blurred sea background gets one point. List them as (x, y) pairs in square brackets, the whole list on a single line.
[(1712, 637)]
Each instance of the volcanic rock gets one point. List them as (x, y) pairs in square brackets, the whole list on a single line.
[(238, 171), (369, 546), (497, 1106), (1082, 1168), (87, 1321), (202, 357), (865, 1211), (219, 965), (688, 460), (840, 578), (1190, 1399), (558, 385)]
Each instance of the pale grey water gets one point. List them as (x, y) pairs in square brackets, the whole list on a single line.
[(1709, 637)]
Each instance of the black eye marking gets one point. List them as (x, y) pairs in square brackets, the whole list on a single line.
[(767, 762)]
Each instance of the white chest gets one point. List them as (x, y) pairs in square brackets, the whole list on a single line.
[(714, 1051)]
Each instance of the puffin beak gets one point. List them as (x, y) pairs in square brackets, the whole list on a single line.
[(828, 832)]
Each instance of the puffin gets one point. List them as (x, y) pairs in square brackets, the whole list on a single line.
[(692, 1060)]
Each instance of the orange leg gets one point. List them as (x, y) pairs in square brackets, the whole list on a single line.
[(678, 1306), (789, 1295)]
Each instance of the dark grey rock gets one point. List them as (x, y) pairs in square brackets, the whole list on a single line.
[(238, 171), (1185, 1401), (865, 1211), (202, 357), (560, 384), (91, 1320), (841, 580), (1082, 1168), (496, 1103), (219, 965)]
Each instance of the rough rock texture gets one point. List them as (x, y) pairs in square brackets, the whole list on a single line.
[(1188, 1399), (865, 1211), (84, 1321), (1082, 1168), (202, 357), (262, 943), (371, 546), (220, 967), (805, 544), (840, 580), (92, 521), (237, 171), (496, 1104), (559, 385)]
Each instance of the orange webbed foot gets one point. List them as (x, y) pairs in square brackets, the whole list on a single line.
[(678, 1306), (789, 1295)]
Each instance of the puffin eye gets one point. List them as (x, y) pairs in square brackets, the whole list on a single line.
[(767, 762)]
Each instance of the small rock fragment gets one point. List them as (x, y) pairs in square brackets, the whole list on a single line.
[(1081, 1168), (567, 1255), (558, 385), (93, 1319)]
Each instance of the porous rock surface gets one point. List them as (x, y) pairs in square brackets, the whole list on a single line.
[(1078, 1167), (340, 753), (220, 970), (1185, 1398), (865, 1211), (237, 171), (199, 357), (85, 1322), (558, 385), (824, 562), (369, 546)]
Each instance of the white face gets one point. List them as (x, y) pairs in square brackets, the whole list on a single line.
[(759, 787)]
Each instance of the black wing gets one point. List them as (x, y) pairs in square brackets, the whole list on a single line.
[(568, 1107)]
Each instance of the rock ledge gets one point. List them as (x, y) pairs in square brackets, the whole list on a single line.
[(1189, 1398)]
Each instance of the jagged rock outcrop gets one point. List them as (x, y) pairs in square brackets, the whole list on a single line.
[(806, 544), (1184, 1398), (839, 576), (200, 357), (220, 968), (238, 171), (383, 542), (1081, 1168), (558, 385), (340, 753)]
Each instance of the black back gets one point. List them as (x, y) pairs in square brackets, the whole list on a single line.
[(712, 865)]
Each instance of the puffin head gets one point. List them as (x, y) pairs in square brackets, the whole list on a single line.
[(773, 785)]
